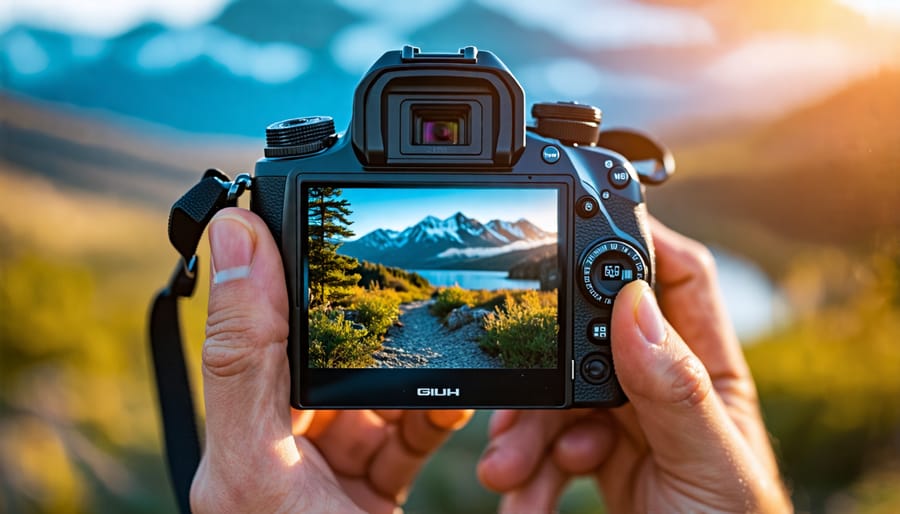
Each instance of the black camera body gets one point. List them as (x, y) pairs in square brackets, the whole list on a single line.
[(502, 246)]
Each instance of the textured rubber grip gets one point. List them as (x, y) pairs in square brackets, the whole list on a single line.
[(267, 200)]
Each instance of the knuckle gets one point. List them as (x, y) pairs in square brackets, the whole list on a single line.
[(232, 340), (689, 382), (700, 260), (223, 359)]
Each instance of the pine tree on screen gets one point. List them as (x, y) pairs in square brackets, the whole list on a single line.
[(331, 276)]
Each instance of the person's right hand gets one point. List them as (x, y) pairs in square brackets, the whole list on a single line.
[(692, 437), (261, 455)]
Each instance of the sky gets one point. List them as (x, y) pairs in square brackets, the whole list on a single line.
[(397, 209)]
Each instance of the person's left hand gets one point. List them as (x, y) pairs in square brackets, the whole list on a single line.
[(262, 456)]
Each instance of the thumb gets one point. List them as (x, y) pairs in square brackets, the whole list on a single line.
[(245, 368), (683, 420)]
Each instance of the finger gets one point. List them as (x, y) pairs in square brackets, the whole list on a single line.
[(245, 369), (692, 302), (422, 431), (500, 422), (686, 426), (391, 416), (539, 495), (320, 421), (515, 454), (350, 440), (449, 419), (301, 420), (585, 445), (406, 449), (394, 467)]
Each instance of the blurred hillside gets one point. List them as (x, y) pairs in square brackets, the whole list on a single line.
[(77, 420), (111, 155), (825, 175)]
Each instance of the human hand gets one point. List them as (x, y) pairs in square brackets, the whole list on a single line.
[(261, 455), (692, 437)]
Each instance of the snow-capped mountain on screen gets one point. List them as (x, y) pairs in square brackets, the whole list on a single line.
[(455, 242)]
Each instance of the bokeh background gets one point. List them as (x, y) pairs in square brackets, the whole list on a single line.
[(784, 118)]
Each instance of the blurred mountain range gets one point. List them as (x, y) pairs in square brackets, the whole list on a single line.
[(824, 174), (267, 60)]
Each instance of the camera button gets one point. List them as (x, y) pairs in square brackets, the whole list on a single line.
[(587, 207), (619, 177), (595, 368), (550, 154), (598, 331)]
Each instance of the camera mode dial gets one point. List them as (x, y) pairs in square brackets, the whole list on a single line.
[(569, 122), (299, 136), (607, 266)]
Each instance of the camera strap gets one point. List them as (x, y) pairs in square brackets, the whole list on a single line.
[(187, 221)]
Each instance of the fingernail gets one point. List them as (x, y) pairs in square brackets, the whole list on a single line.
[(649, 318), (232, 241), (449, 419)]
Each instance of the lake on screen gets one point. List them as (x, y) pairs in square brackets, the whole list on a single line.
[(475, 279)]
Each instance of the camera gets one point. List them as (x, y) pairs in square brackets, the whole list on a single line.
[(440, 253)]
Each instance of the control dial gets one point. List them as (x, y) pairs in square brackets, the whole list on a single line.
[(607, 266), (299, 136), (570, 122)]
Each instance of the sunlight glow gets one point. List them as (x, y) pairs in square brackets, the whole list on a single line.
[(877, 11), (760, 84)]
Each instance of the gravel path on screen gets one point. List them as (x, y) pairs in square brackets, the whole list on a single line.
[(423, 342)]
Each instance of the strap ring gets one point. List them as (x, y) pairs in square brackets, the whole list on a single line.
[(190, 267), (237, 186)]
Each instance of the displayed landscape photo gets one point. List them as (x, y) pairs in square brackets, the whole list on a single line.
[(432, 277)]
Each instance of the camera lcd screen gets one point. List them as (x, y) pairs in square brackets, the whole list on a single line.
[(432, 277)]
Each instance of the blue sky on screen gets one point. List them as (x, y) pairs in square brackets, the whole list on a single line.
[(397, 209)]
